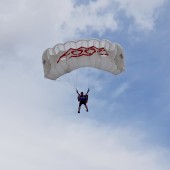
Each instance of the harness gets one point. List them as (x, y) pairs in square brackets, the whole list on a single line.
[(83, 98)]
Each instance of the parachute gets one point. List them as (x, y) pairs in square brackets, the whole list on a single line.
[(72, 55)]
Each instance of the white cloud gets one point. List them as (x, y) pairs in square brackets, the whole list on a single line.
[(144, 13), (95, 16), (36, 22), (33, 142)]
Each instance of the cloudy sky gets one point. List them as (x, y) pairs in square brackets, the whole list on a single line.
[(128, 123)]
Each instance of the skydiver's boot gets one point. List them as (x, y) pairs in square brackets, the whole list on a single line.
[(79, 109), (86, 108)]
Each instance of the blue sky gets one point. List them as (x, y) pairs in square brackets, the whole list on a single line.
[(127, 126)]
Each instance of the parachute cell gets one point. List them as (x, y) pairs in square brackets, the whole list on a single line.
[(64, 58)]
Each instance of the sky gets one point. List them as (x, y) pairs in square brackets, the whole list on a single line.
[(128, 123)]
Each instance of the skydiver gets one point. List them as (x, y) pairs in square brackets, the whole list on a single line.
[(83, 99)]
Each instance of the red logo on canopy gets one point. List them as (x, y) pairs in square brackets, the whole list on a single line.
[(82, 51)]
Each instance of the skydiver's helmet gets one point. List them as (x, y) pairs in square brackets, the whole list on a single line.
[(81, 93)]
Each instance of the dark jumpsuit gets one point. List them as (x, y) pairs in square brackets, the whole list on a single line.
[(82, 99)]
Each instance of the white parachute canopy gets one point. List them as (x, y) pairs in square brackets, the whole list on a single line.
[(64, 58)]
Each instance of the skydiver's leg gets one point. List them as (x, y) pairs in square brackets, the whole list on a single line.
[(79, 107), (86, 107)]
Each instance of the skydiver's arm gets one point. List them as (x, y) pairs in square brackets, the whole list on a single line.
[(88, 91), (77, 92)]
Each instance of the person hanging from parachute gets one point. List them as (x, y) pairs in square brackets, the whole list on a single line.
[(83, 99)]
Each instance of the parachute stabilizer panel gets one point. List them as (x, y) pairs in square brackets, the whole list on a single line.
[(64, 58)]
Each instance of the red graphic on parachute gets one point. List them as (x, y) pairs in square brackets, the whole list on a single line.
[(82, 51)]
